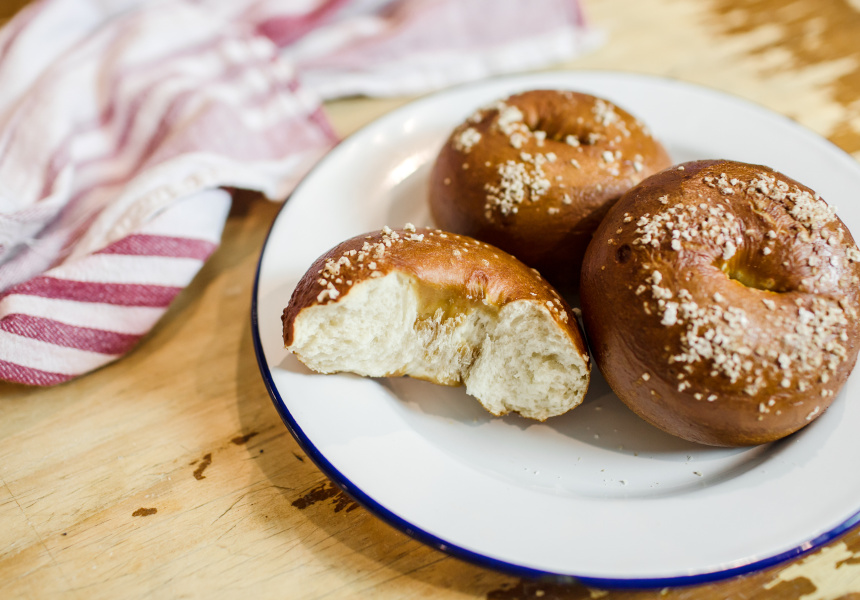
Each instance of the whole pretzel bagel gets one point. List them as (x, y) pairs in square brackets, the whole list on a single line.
[(720, 302), (445, 308), (535, 173)]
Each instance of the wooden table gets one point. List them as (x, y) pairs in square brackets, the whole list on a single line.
[(169, 474)]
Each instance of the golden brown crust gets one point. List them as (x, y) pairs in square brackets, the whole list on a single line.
[(459, 270), (535, 173), (720, 299)]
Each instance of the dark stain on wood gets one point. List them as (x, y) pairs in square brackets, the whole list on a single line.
[(299, 457), (810, 34), (745, 586), (795, 588), (243, 439), (205, 462), (143, 512), (326, 491), (852, 560)]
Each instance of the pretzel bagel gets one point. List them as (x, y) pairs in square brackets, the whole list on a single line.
[(445, 308), (535, 173), (720, 300)]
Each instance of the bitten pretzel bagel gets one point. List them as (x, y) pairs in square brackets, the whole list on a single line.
[(720, 300), (445, 308), (535, 173)]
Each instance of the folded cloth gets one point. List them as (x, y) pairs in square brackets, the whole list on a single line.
[(122, 120)]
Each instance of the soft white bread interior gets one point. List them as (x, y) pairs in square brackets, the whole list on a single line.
[(495, 327)]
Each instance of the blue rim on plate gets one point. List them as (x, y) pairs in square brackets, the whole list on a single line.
[(401, 524)]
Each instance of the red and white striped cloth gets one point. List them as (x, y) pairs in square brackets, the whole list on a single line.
[(121, 121)]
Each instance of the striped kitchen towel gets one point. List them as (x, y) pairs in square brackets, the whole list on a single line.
[(122, 120)]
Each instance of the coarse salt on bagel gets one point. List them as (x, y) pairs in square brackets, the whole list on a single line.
[(720, 302), (535, 173), (445, 308)]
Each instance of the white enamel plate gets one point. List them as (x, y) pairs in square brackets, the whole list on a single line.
[(596, 494)]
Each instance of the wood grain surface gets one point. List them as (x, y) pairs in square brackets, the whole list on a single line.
[(169, 474)]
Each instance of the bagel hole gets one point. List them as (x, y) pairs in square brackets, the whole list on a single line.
[(558, 128), (752, 276)]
